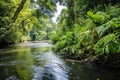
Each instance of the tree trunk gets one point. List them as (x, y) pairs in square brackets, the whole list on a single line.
[(14, 18), (18, 10), (75, 14)]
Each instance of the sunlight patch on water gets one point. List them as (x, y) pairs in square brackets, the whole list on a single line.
[(53, 69), (35, 45)]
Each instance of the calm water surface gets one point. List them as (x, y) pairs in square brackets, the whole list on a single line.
[(36, 61)]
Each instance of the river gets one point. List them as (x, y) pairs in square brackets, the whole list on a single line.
[(37, 61)]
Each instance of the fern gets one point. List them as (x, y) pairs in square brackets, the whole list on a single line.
[(99, 17), (109, 44), (109, 27)]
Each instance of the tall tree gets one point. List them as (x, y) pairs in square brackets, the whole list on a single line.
[(20, 7)]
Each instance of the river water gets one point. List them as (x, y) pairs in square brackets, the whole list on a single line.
[(37, 61)]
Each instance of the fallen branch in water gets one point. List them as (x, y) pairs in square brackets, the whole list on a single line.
[(90, 59), (73, 60)]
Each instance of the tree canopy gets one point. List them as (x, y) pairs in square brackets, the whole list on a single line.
[(19, 18)]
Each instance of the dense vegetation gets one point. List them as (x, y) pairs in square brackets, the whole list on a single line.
[(90, 29), (23, 20), (87, 29)]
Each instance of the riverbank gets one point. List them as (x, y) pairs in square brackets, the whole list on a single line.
[(4, 44), (112, 63), (37, 61)]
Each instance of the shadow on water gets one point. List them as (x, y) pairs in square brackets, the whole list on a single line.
[(36, 61)]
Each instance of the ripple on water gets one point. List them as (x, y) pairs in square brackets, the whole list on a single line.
[(53, 69), (36, 61)]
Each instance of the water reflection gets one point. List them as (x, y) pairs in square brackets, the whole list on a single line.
[(25, 61), (54, 68), (31, 62)]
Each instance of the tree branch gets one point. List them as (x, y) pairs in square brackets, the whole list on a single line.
[(18, 10)]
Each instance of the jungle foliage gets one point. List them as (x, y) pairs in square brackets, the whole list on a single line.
[(24, 20), (87, 28), (90, 28)]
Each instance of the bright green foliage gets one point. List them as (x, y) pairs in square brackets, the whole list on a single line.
[(54, 37), (109, 44), (44, 31), (88, 29), (17, 19), (15, 32), (99, 18), (109, 27)]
